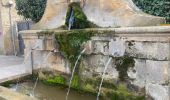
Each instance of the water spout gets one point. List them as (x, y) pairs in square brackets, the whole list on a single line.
[(73, 73), (26, 58), (44, 61), (71, 19), (106, 66), (35, 85)]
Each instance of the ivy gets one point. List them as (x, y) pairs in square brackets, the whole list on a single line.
[(31, 9), (155, 7)]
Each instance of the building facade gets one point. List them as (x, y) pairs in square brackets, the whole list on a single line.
[(8, 27)]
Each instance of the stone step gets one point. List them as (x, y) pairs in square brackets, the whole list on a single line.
[(7, 94), (12, 72)]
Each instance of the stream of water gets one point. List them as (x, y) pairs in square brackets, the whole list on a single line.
[(73, 73), (32, 94), (106, 66)]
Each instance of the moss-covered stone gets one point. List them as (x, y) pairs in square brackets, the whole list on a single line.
[(70, 44), (122, 66), (75, 82), (122, 93), (80, 19), (56, 80)]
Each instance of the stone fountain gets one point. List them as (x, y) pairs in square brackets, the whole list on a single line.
[(125, 34), (113, 13)]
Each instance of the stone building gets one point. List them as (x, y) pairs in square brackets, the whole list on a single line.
[(8, 29)]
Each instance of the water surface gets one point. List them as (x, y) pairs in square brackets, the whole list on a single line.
[(44, 92)]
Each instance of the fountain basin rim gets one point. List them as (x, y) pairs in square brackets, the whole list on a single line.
[(121, 30)]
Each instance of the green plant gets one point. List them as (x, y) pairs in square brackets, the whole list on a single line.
[(80, 19), (31, 9), (70, 43), (155, 7)]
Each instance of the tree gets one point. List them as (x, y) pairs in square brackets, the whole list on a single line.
[(155, 7), (31, 9)]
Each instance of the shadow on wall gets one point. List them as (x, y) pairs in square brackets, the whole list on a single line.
[(21, 26)]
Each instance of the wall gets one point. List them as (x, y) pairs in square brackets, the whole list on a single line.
[(148, 46), (7, 44)]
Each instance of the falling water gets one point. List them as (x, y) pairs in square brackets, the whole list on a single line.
[(33, 91), (73, 73), (26, 58), (71, 19), (106, 66), (35, 85)]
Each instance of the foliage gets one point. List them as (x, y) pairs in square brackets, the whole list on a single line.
[(31, 9), (71, 42), (155, 7)]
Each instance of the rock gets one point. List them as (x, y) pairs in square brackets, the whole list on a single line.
[(93, 66), (157, 72), (117, 47), (148, 50), (148, 71), (158, 92), (138, 73)]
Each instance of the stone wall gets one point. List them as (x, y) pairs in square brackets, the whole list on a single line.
[(8, 14), (148, 46)]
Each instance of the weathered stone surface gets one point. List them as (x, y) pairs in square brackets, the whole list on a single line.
[(7, 94), (148, 50), (118, 13), (100, 47), (112, 13), (117, 47), (158, 92), (157, 71), (138, 73), (148, 71), (50, 60), (93, 66), (54, 15), (6, 45)]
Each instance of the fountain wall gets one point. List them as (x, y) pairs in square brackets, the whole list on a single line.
[(148, 46)]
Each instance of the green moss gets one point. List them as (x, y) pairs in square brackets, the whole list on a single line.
[(122, 93), (80, 19), (88, 88), (75, 82), (70, 43), (57, 80), (123, 65)]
